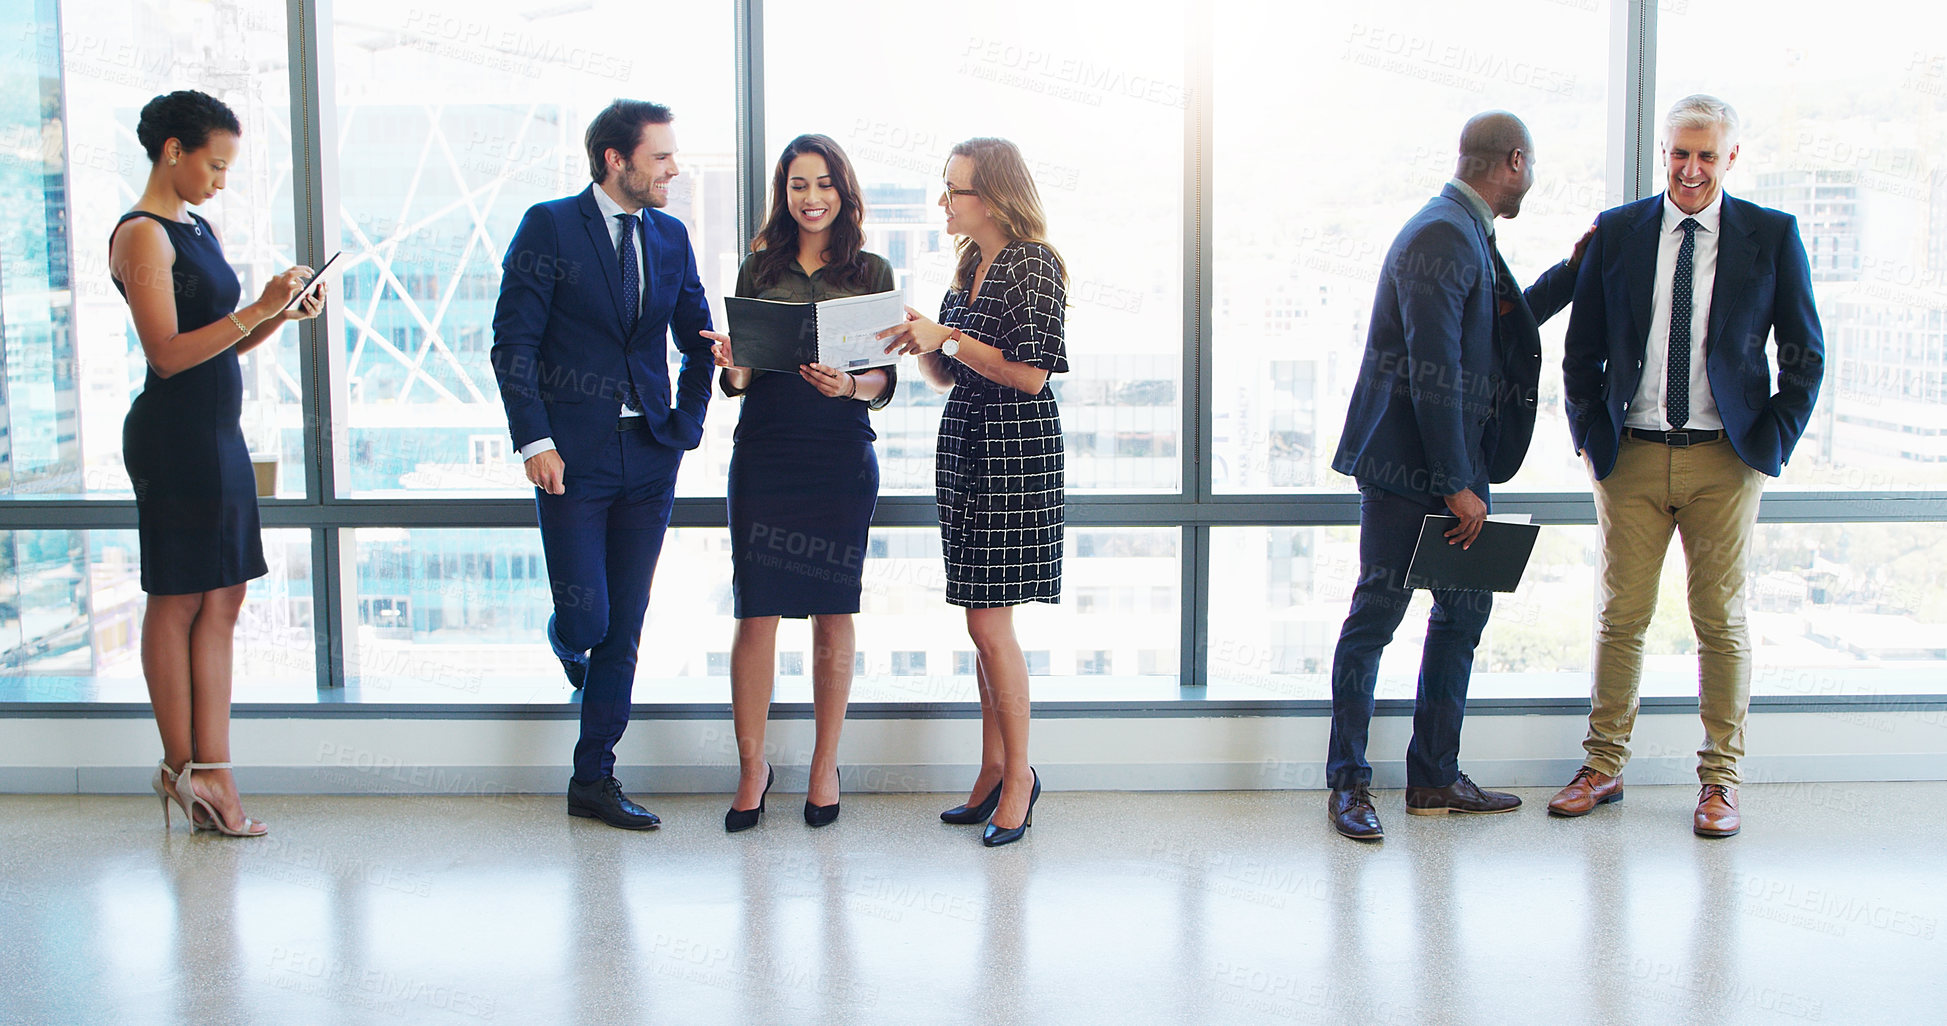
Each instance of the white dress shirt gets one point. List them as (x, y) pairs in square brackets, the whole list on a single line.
[(1649, 408), (610, 209)]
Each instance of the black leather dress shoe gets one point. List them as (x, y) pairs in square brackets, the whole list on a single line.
[(1463, 795), (1353, 815), (606, 802), (577, 672)]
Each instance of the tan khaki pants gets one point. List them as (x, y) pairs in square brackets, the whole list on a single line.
[(1710, 498)]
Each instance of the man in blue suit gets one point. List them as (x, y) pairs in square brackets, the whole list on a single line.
[(1444, 405), (1671, 403), (591, 289)]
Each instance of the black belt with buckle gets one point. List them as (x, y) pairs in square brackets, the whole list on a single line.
[(630, 423), (1678, 439)]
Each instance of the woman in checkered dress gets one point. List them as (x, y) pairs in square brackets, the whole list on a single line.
[(999, 470)]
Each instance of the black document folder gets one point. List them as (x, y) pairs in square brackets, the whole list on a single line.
[(1493, 563), (840, 333), (773, 336)]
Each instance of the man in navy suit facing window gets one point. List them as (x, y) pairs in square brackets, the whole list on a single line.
[(591, 289), (1444, 405), (1670, 400)]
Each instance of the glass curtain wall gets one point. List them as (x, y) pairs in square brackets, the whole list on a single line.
[(1223, 181), (77, 76)]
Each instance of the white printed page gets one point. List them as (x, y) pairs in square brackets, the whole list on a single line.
[(848, 330)]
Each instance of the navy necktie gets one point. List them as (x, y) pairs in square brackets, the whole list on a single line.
[(631, 297), (1677, 402), (631, 274)]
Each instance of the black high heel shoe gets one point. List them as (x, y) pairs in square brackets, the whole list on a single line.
[(821, 815), (995, 836), (967, 815), (743, 819)]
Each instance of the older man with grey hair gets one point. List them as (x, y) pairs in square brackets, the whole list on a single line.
[(1672, 405)]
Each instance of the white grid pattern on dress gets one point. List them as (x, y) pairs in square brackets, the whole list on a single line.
[(998, 478)]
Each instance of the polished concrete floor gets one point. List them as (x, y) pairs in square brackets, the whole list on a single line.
[(1118, 908)]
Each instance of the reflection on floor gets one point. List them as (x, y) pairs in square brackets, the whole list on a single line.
[(1118, 908)]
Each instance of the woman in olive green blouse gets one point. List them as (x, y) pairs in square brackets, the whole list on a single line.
[(803, 477)]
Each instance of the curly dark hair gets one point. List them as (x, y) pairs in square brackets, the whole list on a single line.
[(187, 116), (776, 244)]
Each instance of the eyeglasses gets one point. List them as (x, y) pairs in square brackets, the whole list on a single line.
[(951, 191)]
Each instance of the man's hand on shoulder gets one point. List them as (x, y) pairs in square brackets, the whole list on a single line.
[(545, 470), (1581, 249)]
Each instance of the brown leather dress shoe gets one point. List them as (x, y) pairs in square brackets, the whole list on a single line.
[(1716, 811), (1588, 790), (1353, 814), (1460, 796)]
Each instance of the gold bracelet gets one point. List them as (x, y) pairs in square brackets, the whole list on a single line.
[(234, 319)]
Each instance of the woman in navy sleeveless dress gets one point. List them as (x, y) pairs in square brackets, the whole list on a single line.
[(195, 491), (999, 474), (183, 444), (803, 476)]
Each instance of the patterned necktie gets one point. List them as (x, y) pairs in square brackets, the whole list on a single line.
[(631, 299), (1504, 289), (631, 275), (1678, 401)]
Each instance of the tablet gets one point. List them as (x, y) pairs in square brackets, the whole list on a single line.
[(315, 278)]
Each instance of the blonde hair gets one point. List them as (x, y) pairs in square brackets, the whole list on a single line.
[(1001, 178)]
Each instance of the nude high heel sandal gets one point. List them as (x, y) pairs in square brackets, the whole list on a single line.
[(164, 783), (251, 828)]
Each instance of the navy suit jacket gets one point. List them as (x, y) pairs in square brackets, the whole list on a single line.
[(1439, 407), (1763, 287), (560, 351)]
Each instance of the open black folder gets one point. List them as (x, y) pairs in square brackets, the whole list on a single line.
[(841, 333), (1493, 563)]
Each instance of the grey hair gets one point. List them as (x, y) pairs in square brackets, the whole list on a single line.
[(1702, 110)]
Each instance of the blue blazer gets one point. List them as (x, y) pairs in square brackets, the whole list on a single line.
[(560, 352), (1438, 407), (1763, 286)]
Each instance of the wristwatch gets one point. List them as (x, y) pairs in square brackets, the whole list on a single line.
[(951, 347)]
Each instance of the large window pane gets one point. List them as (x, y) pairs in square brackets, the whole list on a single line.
[(458, 616), (1834, 610), (1845, 128), (454, 118), (1280, 594), (1095, 99), (73, 94), (71, 607), (1333, 125)]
